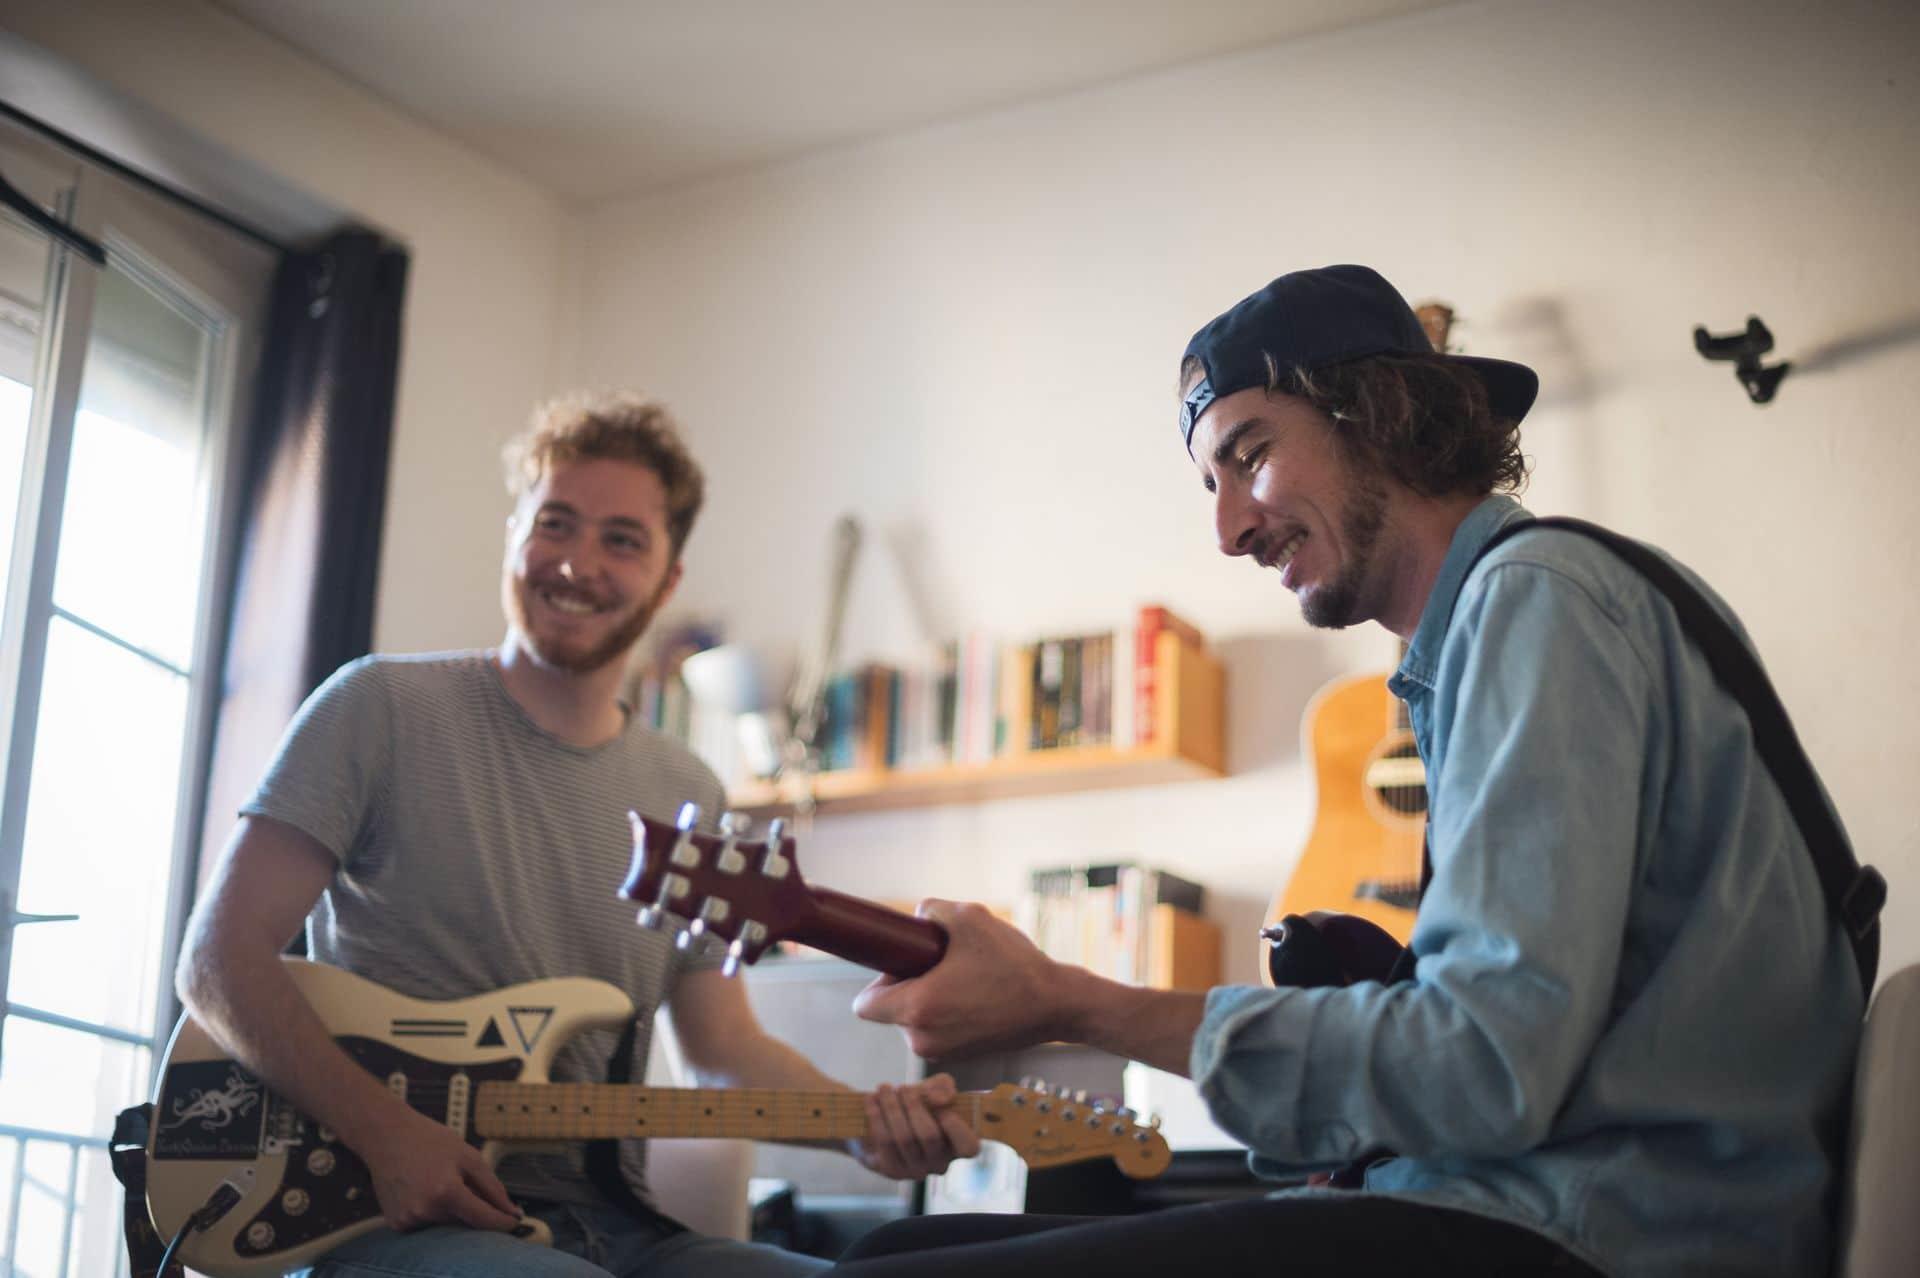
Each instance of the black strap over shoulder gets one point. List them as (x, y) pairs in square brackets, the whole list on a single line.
[(128, 1153), (1855, 892), (601, 1158)]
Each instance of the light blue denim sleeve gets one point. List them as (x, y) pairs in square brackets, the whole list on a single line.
[(1540, 738)]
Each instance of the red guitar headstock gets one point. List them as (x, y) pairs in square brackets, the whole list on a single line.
[(747, 893)]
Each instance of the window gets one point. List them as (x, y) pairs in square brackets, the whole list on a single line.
[(117, 388)]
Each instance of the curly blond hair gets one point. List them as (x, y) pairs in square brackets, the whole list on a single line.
[(619, 426)]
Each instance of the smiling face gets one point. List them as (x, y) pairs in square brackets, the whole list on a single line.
[(588, 563), (1285, 496)]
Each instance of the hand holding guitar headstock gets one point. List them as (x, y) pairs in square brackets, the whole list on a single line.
[(749, 894)]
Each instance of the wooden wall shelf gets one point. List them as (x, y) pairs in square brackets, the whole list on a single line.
[(1191, 703)]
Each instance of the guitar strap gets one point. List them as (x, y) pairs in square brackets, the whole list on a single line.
[(128, 1153), (602, 1157), (1855, 893)]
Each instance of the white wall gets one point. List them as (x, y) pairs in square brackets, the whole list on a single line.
[(483, 303), (968, 336)]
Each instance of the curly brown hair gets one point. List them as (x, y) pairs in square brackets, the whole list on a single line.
[(618, 427), (1422, 420)]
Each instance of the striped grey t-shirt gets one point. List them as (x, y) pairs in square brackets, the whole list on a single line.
[(478, 850)]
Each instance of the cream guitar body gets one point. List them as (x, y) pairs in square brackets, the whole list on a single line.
[(307, 1192), (480, 1065)]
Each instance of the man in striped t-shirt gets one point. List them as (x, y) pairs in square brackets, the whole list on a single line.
[(453, 823)]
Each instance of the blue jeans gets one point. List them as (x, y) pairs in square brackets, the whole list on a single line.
[(588, 1242)]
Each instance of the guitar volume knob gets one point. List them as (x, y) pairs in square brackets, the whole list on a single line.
[(321, 1162)]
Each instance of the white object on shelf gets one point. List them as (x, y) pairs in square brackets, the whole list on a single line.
[(1184, 1119)]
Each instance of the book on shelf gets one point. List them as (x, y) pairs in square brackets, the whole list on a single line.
[(984, 698), (1120, 920), (1154, 620)]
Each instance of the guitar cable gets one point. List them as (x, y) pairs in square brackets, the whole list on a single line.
[(221, 1201)]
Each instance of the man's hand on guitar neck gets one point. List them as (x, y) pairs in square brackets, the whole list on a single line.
[(995, 990), (913, 1131)]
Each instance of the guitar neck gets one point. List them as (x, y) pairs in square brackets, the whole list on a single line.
[(595, 1111), (871, 935)]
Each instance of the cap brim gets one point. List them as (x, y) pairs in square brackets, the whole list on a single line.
[(1511, 387)]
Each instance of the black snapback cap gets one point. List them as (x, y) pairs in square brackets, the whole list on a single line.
[(1311, 319)]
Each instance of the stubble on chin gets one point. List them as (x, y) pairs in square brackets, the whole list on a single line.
[(610, 650), (1336, 605)]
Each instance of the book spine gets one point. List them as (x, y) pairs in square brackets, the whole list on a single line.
[(1120, 688), (1154, 619), (1071, 708), (1046, 695)]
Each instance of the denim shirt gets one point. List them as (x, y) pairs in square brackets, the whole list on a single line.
[(1633, 1019)]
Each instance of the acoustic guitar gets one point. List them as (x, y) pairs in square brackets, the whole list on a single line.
[(283, 1189), (1363, 855)]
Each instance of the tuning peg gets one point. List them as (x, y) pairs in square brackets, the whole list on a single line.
[(683, 850), (730, 966), (1125, 1115), (733, 828), (1028, 1081), (1154, 1122), (773, 864), (651, 917), (695, 929), (1080, 1096)]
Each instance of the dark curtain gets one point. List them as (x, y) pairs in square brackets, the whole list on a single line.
[(307, 545)]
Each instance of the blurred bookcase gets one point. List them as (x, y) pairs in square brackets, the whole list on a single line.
[(1187, 741)]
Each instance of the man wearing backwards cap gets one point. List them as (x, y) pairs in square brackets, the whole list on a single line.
[(1626, 1038)]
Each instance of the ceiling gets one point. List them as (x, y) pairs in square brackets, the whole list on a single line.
[(600, 98)]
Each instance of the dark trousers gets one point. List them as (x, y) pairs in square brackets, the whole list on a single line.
[(1257, 1237)]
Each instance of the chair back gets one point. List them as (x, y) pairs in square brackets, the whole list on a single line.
[(1880, 1225)]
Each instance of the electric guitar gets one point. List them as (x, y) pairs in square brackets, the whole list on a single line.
[(479, 1065), (1363, 854)]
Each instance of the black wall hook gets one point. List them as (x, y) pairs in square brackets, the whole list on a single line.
[(1745, 350)]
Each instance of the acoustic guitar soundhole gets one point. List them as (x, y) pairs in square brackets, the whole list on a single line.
[(1398, 779)]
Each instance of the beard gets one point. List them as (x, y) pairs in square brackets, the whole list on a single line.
[(1336, 605), (571, 656)]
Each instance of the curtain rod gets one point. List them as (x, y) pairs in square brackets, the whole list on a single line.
[(108, 162)]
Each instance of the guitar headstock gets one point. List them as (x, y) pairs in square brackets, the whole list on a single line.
[(745, 892), (1436, 320), (1051, 1126)]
